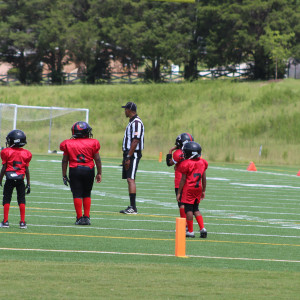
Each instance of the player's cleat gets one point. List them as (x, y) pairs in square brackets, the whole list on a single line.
[(203, 233), (129, 211), (79, 221), (23, 225), (4, 224), (86, 221), (190, 234)]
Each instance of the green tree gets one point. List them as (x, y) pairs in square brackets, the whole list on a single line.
[(278, 46), (18, 31), (52, 38), (233, 30), (150, 33), (87, 51), (167, 35), (85, 40)]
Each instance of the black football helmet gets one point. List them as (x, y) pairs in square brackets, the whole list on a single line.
[(182, 139), (16, 138), (81, 130), (191, 150)]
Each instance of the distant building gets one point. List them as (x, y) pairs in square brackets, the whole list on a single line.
[(71, 68)]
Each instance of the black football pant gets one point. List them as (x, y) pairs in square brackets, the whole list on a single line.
[(81, 181), (8, 189)]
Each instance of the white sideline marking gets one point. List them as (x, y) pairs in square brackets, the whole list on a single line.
[(152, 254), (266, 185), (211, 167), (288, 224), (159, 230), (257, 172), (280, 236)]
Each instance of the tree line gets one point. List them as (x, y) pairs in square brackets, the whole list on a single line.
[(210, 33)]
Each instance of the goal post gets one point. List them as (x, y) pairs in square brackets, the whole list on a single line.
[(45, 127)]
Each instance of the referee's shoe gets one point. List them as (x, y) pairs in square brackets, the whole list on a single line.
[(129, 211)]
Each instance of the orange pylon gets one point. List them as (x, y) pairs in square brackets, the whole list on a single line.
[(180, 237), (251, 167), (160, 157), (298, 174)]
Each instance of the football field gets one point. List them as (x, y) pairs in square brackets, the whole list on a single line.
[(252, 250)]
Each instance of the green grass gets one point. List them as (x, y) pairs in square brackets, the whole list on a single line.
[(231, 120), (252, 249), (52, 280)]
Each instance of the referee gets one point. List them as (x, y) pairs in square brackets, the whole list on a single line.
[(133, 144)]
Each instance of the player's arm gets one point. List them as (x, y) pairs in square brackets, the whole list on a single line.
[(133, 146), (169, 160), (181, 184), (203, 185), (98, 163), (27, 175), (3, 169), (64, 166), (172, 149)]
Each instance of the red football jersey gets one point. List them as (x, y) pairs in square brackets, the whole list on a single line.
[(16, 159), (177, 159), (194, 169), (81, 151)]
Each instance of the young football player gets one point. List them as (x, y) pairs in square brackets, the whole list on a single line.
[(192, 186), (15, 166), (176, 159), (81, 152)]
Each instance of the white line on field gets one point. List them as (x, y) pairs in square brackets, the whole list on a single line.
[(280, 236), (159, 230), (225, 213), (216, 214), (266, 185), (150, 254), (172, 173), (257, 172), (254, 206)]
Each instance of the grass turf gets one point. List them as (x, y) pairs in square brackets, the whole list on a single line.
[(252, 249)]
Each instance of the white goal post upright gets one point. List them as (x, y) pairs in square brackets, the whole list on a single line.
[(42, 125)]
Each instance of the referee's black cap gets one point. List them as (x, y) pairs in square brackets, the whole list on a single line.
[(130, 105)]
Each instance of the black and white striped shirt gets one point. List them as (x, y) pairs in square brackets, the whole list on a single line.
[(134, 130)]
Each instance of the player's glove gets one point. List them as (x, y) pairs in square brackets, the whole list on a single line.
[(27, 188), (168, 158), (66, 180)]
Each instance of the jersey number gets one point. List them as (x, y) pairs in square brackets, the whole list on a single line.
[(15, 163), (198, 179), (80, 158)]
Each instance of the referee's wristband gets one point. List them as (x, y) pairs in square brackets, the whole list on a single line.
[(127, 157)]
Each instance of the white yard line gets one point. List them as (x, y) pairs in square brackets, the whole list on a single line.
[(150, 254)]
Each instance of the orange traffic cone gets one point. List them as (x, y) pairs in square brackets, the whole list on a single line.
[(251, 167), (298, 174)]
